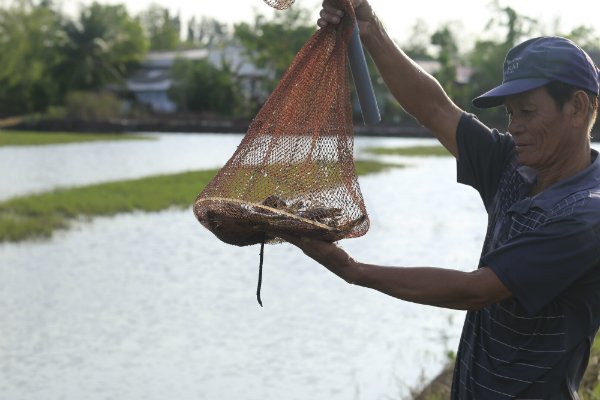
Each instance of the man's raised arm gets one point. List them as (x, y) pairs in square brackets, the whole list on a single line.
[(418, 93)]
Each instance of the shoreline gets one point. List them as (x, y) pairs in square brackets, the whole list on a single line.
[(438, 388), (196, 124), (189, 124)]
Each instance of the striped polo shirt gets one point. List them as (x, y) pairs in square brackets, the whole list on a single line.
[(546, 250)]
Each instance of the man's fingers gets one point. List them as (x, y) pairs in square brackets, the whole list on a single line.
[(332, 10), (329, 15)]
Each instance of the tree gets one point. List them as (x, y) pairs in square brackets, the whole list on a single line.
[(161, 29), (487, 56), (272, 45), (102, 47), (516, 26), (199, 86), (418, 46), (585, 37), (208, 33), (30, 35), (450, 60), (447, 56)]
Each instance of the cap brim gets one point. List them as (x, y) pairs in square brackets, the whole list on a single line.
[(495, 97)]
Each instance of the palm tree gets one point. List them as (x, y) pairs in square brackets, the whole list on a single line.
[(101, 47)]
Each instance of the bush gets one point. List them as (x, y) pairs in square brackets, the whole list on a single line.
[(199, 86), (90, 106)]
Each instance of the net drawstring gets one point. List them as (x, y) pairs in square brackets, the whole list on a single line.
[(260, 268)]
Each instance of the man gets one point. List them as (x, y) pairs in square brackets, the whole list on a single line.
[(534, 301)]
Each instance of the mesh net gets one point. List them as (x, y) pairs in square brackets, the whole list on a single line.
[(293, 173), (280, 4)]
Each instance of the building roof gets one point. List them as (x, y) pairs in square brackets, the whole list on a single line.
[(165, 59)]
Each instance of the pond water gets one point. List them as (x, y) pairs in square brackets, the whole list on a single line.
[(152, 306), (40, 168)]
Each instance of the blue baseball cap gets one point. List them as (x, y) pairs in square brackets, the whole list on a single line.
[(539, 61)]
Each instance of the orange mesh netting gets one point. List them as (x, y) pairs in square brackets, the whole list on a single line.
[(293, 173), (280, 4)]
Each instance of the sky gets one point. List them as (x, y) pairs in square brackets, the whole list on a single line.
[(470, 16)]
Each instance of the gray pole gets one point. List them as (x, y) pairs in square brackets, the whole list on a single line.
[(362, 81)]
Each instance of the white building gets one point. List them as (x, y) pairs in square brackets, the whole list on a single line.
[(150, 84)]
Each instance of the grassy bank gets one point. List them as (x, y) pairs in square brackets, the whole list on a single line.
[(590, 384), (28, 138), (39, 215), (439, 387), (408, 151)]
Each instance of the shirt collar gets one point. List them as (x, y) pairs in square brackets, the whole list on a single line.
[(585, 179)]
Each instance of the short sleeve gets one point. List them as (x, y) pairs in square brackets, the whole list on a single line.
[(483, 154), (537, 266)]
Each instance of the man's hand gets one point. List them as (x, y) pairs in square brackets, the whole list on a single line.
[(330, 14), (328, 254)]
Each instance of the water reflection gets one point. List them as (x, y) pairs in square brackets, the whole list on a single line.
[(152, 306)]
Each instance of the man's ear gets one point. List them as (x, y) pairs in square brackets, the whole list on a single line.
[(579, 105)]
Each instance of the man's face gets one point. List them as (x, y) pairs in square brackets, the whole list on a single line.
[(540, 129)]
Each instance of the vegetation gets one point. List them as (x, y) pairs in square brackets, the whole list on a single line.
[(409, 151), (39, 215), (207, 33), (101, 47), (90, 106), (27, 138), (439, 388), (590, 384), (194, 79), (29, 40), (47, 55), (161, 28), (271, 179), (272, 45)]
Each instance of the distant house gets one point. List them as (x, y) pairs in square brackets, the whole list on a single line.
[(150, 84), (248, 74)]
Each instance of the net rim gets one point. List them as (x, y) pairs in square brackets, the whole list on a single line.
[(271, 209)]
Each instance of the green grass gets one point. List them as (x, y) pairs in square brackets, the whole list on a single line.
[(365, 167), (409, 151), (590, 384), (39, 215), (29, 138), (274, 178)]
